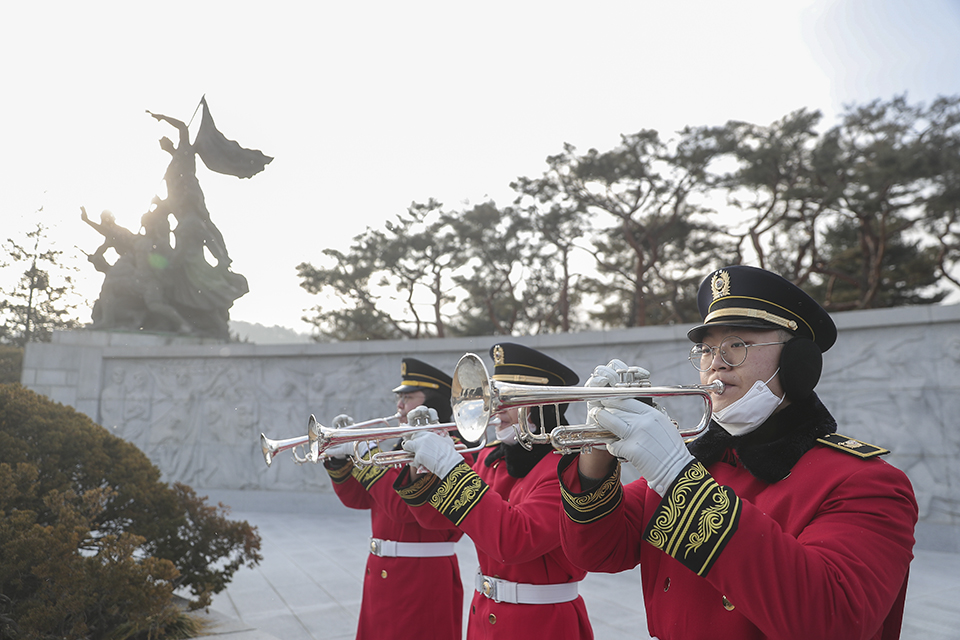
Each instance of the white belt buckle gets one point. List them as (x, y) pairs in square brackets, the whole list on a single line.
[(498, 590), (383, 548), (489, 588)]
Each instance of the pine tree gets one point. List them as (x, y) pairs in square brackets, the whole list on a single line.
[(36, 303)]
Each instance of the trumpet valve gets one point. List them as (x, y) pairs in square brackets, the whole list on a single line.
[(633, 377)]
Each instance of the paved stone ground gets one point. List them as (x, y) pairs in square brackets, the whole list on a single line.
[(308, 585)]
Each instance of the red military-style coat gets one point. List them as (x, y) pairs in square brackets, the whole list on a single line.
[(819, 546), (403, 598), (513, 523)]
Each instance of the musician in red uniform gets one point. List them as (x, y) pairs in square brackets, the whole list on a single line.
[(770, 525), (411, 586), (508, 503)]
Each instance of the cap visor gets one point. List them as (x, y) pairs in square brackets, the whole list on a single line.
[(696, 334)]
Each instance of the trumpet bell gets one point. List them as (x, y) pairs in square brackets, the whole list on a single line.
[(268, 447), (470, 390)]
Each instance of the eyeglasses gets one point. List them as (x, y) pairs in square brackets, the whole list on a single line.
[(733, 351)]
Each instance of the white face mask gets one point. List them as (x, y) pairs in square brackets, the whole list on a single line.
[(750, 411), (507, 433)]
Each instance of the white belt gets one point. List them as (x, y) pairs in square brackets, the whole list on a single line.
[(394, 549), (518, 593)]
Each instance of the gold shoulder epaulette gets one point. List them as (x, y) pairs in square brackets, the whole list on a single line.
[(852, 446)]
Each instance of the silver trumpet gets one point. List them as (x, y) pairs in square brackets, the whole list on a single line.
[(270, 447), (320, 438), (332, 437), (476, 397)]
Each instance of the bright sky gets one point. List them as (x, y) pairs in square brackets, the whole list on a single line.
[(369, 106)]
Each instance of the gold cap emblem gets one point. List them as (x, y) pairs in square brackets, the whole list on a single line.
[(720, 285), (498, 355), (403, 369)]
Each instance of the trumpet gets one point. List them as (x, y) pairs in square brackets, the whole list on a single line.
[(270, 447), (319, 439), (476, 397)]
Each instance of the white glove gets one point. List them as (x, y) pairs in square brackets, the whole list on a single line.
[(434, 452), (342, 421), (346, 449), (608, 375), (648, 440), (339, 451), (604, 375), (422, 415)]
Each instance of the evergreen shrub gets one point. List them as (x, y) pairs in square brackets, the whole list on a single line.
[(92, 544)]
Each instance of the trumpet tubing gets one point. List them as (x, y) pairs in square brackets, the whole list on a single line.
[(320, 439), (328, 437), (476, 398), (270, 447)]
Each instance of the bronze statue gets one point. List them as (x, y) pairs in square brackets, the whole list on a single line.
[(156, 286)]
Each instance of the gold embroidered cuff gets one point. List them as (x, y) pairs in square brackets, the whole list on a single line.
[(368, 476), (587, 506), (339, 472), (417, 493), (695, 519), (458, 493)]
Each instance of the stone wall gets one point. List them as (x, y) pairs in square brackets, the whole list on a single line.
[(197, 408)]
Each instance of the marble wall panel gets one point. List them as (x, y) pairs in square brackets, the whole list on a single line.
[(197, 408)]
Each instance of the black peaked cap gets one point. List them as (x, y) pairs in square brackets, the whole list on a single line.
[(518, 363), (416, 375), (748, 297)]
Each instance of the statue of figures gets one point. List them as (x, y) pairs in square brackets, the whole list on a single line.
[(156, 286), (184, 195), (133, 296), (204, 292), (114, 237)]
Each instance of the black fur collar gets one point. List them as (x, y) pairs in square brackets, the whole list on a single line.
[(519, 461), (770, 452)]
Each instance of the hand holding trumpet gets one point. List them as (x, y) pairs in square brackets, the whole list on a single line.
[(647, 438), (346, 449), (432, 452)]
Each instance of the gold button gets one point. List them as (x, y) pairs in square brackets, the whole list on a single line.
[(383, 574), (729, 606), (666, 585), (493, 619)]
